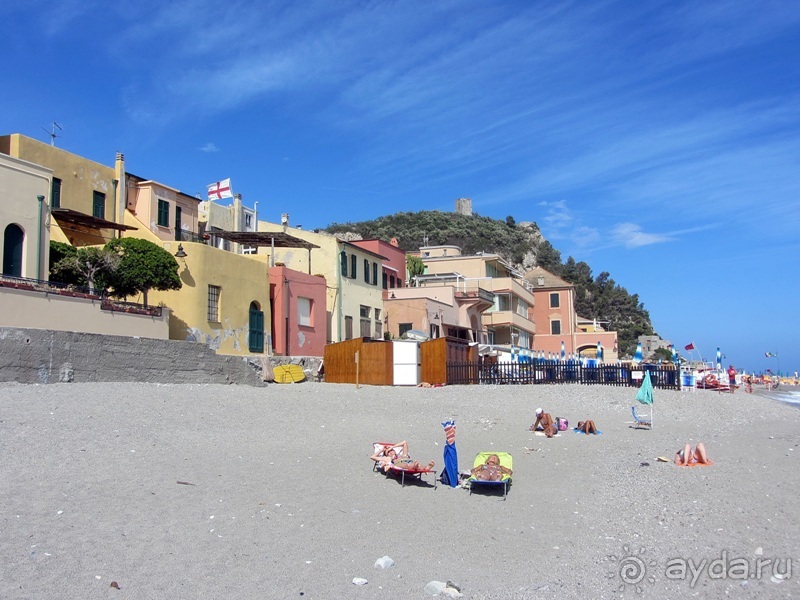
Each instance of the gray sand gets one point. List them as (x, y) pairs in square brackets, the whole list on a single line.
[(279, 499)]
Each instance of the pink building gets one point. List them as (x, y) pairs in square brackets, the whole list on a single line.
[(299, 322), (557, 322)]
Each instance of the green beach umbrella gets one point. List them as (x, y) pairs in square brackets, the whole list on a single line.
[(645, 394)]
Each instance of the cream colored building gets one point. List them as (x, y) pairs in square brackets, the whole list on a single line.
[(24, 191), (509, 321), (354, 302), (215, 217)]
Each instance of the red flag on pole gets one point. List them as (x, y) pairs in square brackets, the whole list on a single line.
[(689, 346)]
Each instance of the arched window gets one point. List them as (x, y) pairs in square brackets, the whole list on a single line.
[(256, 337), (13, 238)]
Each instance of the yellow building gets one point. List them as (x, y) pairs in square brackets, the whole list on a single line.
[(83, 197), (354, 303), (224, 296), (224, 300)]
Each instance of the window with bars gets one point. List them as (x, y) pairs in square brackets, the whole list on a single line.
[(366, 270), (163, 213), (554, 300), (213, 303), (555, 327), (98, 205)]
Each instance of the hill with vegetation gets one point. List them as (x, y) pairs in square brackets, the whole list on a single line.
[(521, 245)]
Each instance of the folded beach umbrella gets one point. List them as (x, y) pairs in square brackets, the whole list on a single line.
[(450, 471), (719, 360), (563, 350), (599, 351), (645, 393), (637, 357)]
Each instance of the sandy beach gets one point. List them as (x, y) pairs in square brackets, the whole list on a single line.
[(205, 491)]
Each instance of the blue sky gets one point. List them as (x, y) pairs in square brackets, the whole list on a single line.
[(657, 141)]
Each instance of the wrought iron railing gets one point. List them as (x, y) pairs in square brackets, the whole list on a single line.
[(66, 289), (554, 372)]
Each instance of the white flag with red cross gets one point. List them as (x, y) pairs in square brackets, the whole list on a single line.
[(220, 189)]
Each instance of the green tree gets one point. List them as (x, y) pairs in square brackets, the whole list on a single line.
[(91, 263), (144, 266), (61, 270), (415, 266), (548, 258), (662, 353)]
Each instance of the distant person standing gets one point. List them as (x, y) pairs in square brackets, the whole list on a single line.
[(732, 378)]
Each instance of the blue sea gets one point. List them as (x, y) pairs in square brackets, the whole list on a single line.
[(787, 394)]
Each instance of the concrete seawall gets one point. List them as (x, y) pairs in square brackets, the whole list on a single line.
[(44, 356)]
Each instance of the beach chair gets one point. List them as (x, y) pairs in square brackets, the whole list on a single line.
[(641, 421), (397, 472), (504, 483)]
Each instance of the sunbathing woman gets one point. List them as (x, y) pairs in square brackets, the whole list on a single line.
[(685, 457), (491, 470), (389, 457), (587, 427)]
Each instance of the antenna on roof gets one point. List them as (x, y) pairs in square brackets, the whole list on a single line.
[(53, 135)]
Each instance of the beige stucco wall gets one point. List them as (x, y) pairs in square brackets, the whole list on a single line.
[(21, 182), (345, 295), (39, 310)]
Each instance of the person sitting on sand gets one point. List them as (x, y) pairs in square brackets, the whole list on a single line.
[(388, 457), (587, 427), (544, 422), (491, 470), (685, 457)]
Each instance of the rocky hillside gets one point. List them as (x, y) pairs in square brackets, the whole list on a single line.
[(521, 245)]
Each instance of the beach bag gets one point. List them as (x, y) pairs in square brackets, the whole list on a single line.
[(562, 424)]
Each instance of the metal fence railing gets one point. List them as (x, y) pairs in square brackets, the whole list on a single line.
[(65, 289), (556, 372)]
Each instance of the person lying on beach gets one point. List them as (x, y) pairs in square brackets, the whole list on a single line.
[(388, 457), (587, 427), (685, 457), (544, 422), (491, 470)]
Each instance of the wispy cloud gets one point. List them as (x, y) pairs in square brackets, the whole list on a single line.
[(209, 147)]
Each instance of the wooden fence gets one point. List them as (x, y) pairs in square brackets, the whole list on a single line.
[(376, 360)]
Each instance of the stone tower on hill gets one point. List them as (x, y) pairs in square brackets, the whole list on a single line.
[(464, 206)]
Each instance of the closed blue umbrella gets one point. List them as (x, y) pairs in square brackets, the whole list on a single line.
[(719, 360), (599, 351), (637, 357), (563, 350), (450, 472)]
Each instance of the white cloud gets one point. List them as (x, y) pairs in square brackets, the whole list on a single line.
[(209, 147), (631, 235)]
